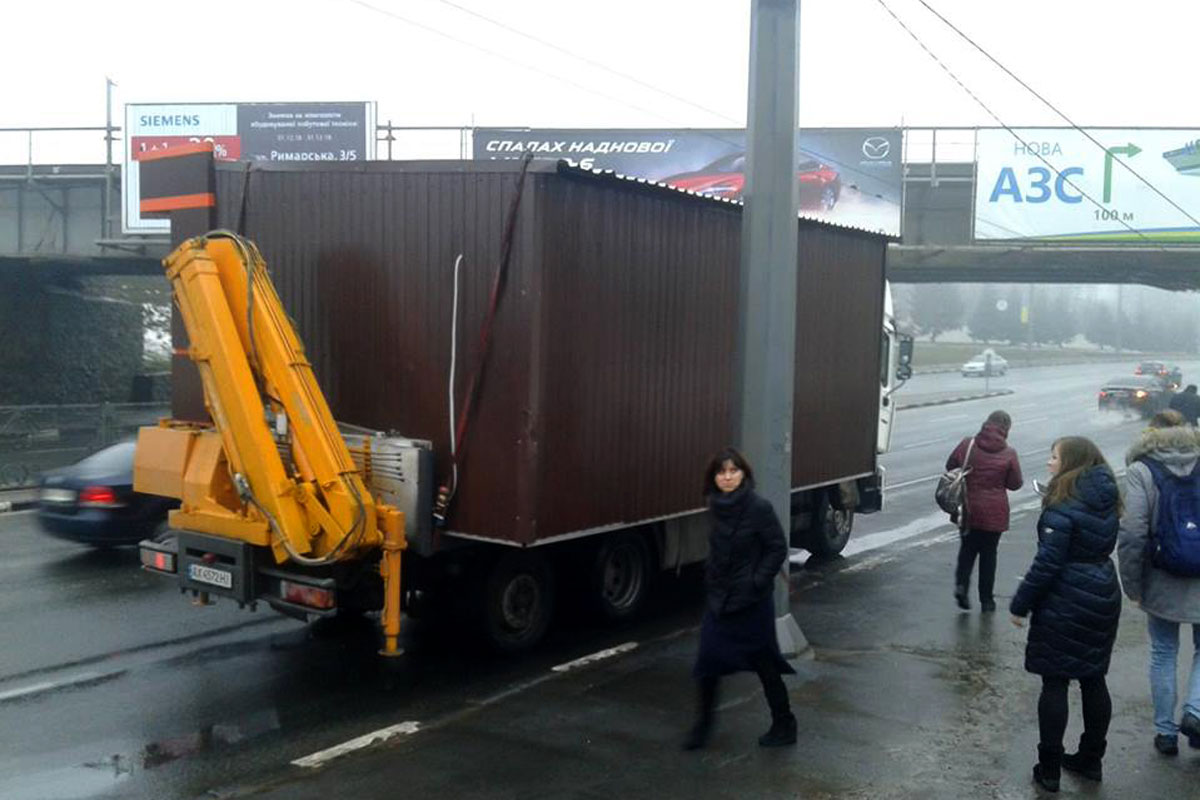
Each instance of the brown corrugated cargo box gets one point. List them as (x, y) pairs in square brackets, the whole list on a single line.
[(611, 371)]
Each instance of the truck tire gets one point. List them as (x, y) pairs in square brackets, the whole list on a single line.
[(829, 535), (620, 576), (518, 601)]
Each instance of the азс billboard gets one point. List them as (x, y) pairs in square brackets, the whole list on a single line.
[(1056, 184)]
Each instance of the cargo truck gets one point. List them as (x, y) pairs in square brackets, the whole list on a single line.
[(538, 360)]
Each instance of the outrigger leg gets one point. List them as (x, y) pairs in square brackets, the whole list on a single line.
[(391, 523)]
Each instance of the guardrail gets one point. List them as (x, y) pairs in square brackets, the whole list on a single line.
[(37, 438)]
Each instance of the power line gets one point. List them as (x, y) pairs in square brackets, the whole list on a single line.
[(1001, 122), (589, 61), (844, 166), (385, 12), (1053, 108)]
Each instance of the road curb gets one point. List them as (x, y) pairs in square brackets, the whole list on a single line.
[(1012, 364), (947, 400), (17, 500)]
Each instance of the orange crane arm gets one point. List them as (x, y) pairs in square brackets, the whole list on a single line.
[(275, 470)]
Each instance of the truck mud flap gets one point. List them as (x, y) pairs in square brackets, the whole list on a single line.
[(218, 566), (870, 494)]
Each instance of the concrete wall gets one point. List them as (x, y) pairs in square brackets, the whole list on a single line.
[(62, 341)]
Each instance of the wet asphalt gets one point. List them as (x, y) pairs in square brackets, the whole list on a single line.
[(111, 685), (905, 697)]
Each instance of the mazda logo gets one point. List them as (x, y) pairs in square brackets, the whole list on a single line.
[(876, 147)]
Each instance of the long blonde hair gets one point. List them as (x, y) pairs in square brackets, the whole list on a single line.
[(1076, 455)]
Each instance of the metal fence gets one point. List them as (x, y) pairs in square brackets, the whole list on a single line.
[(34, 439)]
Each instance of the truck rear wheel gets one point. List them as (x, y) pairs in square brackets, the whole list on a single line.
[(831, 530), (620, 576), (518, 601)]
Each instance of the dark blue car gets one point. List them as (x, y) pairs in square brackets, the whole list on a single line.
[(92, 501)]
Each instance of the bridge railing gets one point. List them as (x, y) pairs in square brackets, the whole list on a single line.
[(32, 146)]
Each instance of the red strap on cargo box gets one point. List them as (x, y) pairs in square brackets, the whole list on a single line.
[(445, 495)]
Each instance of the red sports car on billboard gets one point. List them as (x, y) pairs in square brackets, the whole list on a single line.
[(820, 184)]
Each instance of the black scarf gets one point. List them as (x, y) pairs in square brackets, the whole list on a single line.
[(728, 507)]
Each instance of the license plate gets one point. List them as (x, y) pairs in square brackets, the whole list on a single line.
[(214, 577), (61, 496)]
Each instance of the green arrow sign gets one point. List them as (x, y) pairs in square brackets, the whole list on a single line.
[(1130, 150)]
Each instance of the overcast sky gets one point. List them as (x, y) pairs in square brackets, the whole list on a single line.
[(432, 62)]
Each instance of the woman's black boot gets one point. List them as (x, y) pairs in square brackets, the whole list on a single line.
[(1087, 762), (782, 732), (698, 736), (1048, 770), (706, 702)]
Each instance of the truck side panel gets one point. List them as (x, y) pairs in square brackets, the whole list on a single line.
[(610, 378), (839, 337), (641, 292), (363, 259)]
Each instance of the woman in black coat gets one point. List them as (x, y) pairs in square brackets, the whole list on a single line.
[(746, 549), (1073, 593)]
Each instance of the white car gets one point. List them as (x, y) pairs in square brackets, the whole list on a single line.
[(977, 367)]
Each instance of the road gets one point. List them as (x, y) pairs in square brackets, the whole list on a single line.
[(111, 684), (1047, 402)]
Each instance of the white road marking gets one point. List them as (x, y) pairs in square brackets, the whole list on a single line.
[(1027, 421), (872, 541), (893, 486), (51, 686), (376, 737), (323, 757), (594, 657), (513, 690), (884, 558), (36, 688), (925, 443)]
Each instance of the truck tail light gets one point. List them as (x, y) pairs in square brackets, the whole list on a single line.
[(99, 497), (158, 560), (304, 595), (1103, 394)]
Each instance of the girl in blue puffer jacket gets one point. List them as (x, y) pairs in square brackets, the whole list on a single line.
[(1072, 591)]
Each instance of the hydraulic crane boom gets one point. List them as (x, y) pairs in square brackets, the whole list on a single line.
[(274, 469)]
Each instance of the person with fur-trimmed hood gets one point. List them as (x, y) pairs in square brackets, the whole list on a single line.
[(1167, 599)]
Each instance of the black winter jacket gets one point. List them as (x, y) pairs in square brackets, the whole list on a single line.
[(1072, 587), (746, 548)]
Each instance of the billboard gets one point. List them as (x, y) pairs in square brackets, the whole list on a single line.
[(851, 176), (1056, 184), (276, 132)]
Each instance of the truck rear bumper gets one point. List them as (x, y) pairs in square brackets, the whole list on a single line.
[(213, 566)]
